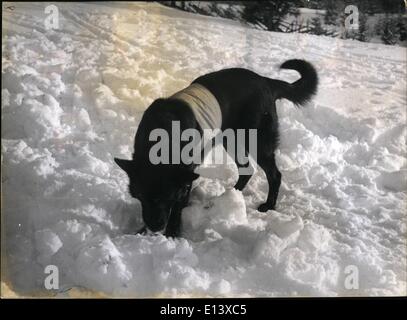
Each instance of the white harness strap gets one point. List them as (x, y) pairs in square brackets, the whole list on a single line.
[(203, 104)]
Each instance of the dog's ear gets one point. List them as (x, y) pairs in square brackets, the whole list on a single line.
[(126, 165), (190, 175), (186, 175), (194, 176)]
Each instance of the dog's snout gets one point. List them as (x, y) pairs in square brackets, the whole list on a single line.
[(155, 218), (155, 225)]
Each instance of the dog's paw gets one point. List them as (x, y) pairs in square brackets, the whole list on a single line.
[(172, 232), (142, 231), (265, 207)]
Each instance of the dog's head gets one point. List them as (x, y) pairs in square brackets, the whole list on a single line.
[(158, 188)]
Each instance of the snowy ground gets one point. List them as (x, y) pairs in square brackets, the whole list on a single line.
[(72, 99)]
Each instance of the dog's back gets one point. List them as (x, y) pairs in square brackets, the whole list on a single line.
[(242, 93)]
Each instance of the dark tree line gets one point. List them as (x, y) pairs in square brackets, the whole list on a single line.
[(270, 15)]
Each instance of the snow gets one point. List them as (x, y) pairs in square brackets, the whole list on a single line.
[(72, 99)]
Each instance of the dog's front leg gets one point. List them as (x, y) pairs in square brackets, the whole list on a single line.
[(174, 224)]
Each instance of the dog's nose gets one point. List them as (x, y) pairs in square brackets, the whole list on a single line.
[(155, 223), (155, 216), (155, 226), (150, 232)]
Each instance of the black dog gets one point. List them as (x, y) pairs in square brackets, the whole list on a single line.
[(246, 101)]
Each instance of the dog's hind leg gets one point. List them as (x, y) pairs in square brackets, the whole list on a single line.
[(273, 175), (267, 143)]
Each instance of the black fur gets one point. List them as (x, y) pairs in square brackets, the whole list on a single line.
[(247, 101)]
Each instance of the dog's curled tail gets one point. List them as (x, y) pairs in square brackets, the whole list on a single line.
[(300, 91)]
